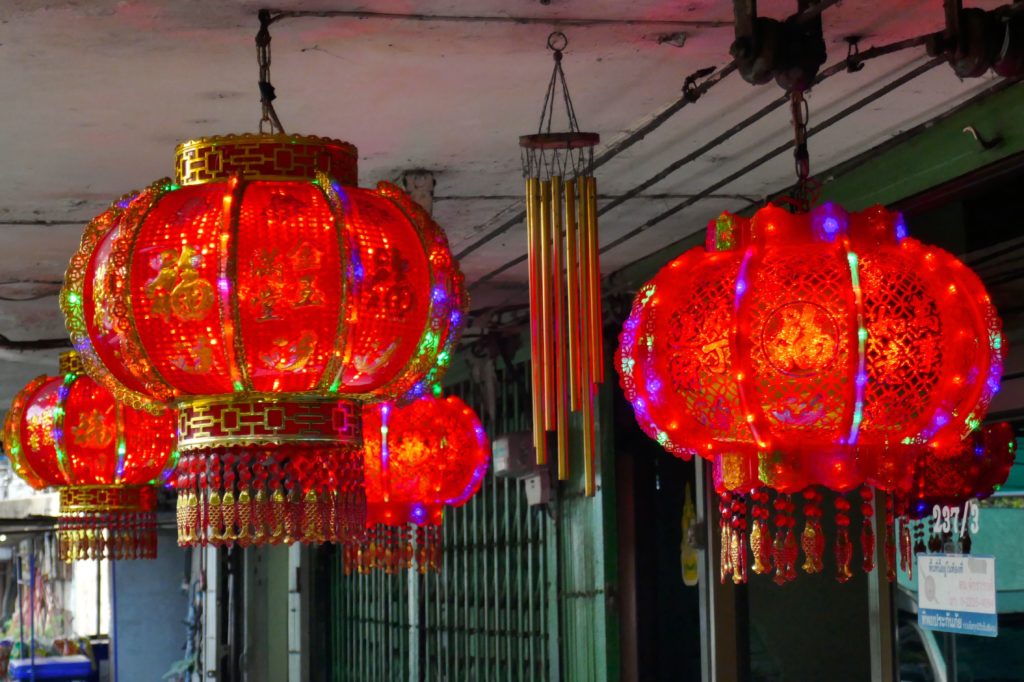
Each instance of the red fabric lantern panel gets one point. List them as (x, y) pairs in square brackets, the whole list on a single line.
[(268, 298), (105, 458), (419, 458), (816, 349)]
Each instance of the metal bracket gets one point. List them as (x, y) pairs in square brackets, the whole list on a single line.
[(986, 143), (789, 51), (976, 40)]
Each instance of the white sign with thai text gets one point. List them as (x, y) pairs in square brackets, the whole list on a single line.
[(957, 593)]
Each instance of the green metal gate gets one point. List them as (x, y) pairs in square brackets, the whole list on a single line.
[(522, 596)]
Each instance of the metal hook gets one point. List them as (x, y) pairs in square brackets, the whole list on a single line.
[(853, 62), (986, 144)]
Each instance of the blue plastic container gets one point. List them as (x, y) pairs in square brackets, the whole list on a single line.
[(58, 668)]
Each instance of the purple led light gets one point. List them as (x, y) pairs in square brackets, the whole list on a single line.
[(901, 228)]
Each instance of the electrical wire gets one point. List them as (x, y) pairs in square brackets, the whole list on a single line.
[(840, 67), (732, 177)]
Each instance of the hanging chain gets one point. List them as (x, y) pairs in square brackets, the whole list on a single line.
[(269, 122), (801, 114)]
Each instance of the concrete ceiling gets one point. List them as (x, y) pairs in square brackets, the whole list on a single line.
[(96, 93)]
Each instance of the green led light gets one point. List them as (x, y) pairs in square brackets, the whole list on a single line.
[(238, 386), (437, 390), (74, 298)]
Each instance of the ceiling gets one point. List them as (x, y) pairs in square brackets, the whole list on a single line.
[(97, 93)]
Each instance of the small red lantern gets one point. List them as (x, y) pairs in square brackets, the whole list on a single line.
[(819, 348), (69, 432), (418, 458), (945, 481), (974, 470), (268, 298)]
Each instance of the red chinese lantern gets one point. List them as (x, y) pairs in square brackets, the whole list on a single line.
[(796, 350), (948, 479), (418, 458), (974, 470), (68, 432), (267, 297)]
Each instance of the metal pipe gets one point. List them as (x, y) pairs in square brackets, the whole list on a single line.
[(573, 291), (547, 312), (594, 286), (277, 15), (558, 327), (617, 148), (856, 106), (536, 359), (837, 68)]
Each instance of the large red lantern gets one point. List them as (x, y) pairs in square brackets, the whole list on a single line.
[(68, 432), (819, 348), (268, 298), (419, 458)]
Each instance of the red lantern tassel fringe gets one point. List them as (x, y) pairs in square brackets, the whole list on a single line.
[(393, 549), (249, 496), (114, 535)]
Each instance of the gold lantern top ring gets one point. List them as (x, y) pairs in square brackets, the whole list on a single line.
[(265, 157)]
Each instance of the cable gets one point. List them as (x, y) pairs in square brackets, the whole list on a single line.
[(689, 96), (837, 68), (34, 344), (277, 15), (859, 104)]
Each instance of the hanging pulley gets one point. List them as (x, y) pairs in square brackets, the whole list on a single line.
[(790, 51), (976, 40)]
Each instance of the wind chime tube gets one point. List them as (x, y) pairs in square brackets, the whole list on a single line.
[(573, 296), (547, 316), (536, 361), (589, 479), (594, 285), (558, 301), (585, 314)]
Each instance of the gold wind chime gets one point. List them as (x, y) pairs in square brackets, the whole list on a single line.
[(565, 277)]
